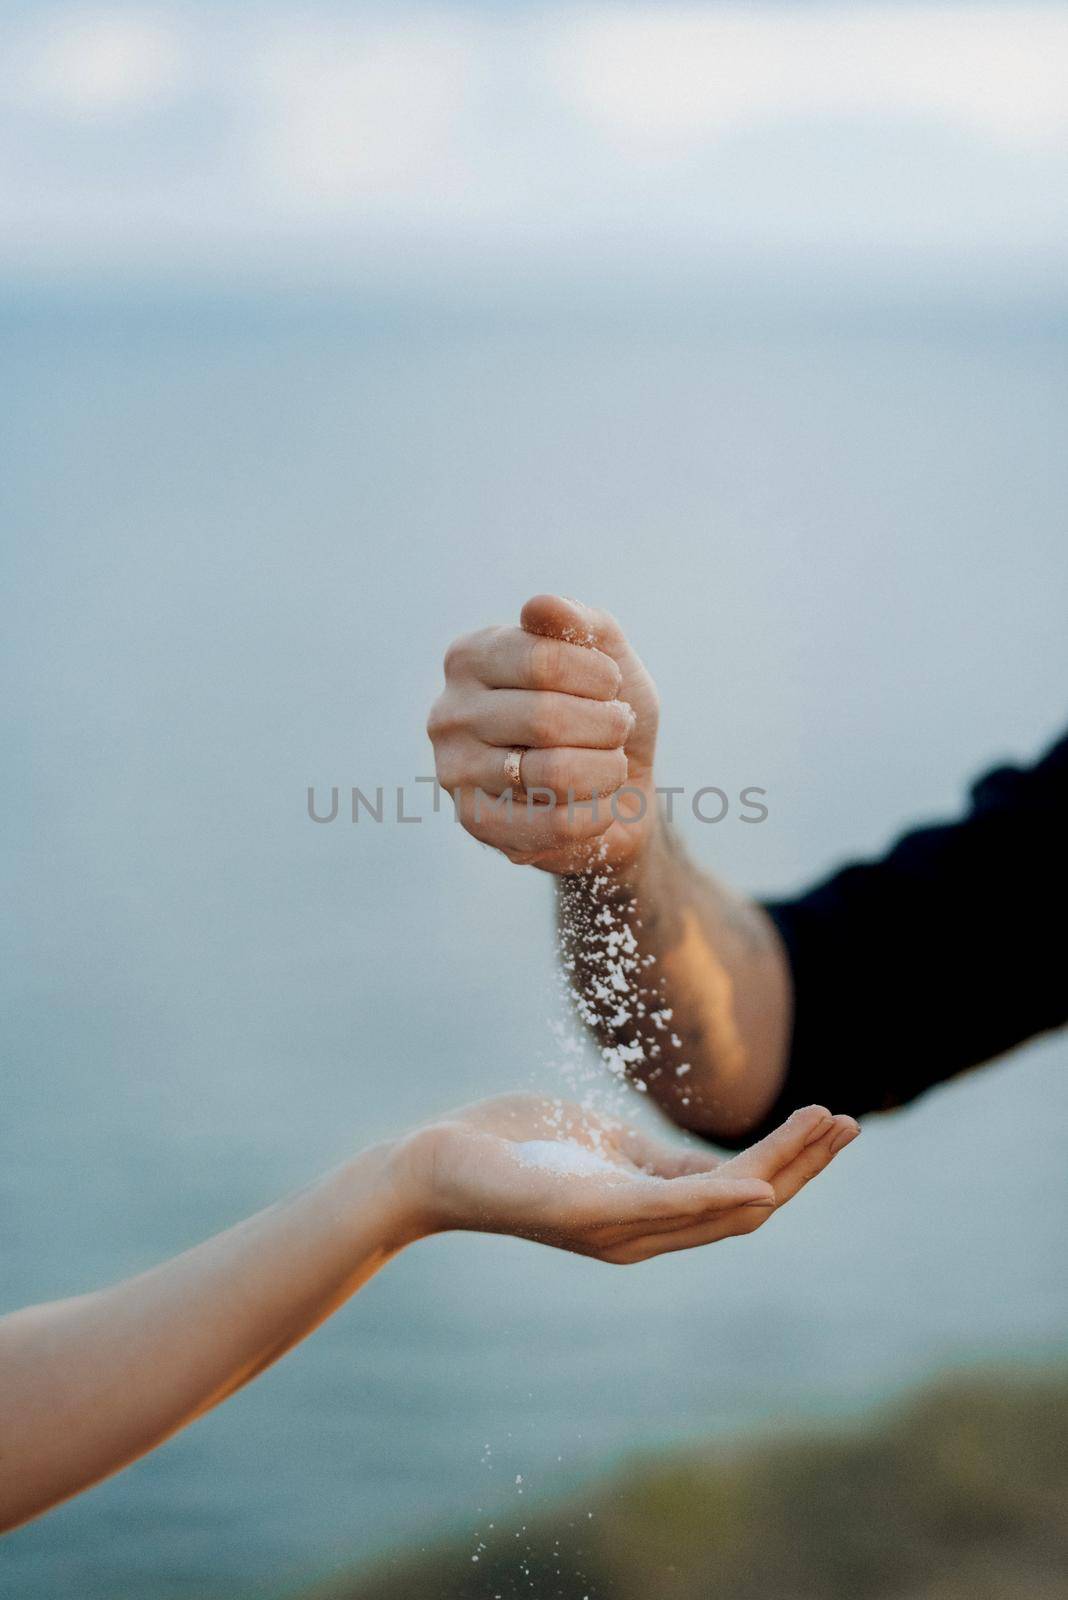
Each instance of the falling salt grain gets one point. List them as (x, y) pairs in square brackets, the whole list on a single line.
[(604, 975)]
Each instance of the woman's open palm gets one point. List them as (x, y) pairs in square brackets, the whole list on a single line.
[(551, 1171)]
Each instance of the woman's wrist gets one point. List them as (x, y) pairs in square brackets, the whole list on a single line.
[(377, 1198), (394, 1180)]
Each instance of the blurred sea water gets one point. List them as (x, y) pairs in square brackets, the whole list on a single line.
[(236, 543)]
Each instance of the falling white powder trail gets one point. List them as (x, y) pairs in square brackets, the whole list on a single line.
[(609, 990)]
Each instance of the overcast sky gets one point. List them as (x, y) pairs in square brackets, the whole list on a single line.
[(324, 144)]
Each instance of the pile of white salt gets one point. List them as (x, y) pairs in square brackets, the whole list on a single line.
[(574, 1160)]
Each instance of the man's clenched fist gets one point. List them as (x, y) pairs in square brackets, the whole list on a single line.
[(567, 691)]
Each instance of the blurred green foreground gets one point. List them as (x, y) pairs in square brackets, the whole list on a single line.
[(962, 1494)]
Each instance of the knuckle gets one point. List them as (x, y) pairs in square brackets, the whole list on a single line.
[(444, 718), (434, 722), (570, 824), (621, 721), (463, 655), (561, 826), (554, 772), (474, 818), (609, 679), (457, 656), (545, 721), (617, 771), (544, 667), (450, 768)]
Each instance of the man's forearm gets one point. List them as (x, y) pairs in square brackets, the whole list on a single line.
[(684, 983)]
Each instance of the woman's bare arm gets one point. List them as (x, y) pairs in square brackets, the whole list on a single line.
[(89, 1384)]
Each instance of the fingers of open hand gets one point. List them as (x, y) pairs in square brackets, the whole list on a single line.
[(814, 1140), (795, 1152), (691, 1236), (652, 1204), (765, 1158), (814, 1158)]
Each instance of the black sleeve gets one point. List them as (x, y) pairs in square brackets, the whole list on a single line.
[(945, 953)]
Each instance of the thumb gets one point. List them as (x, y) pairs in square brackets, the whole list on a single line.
[(556, 616)]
